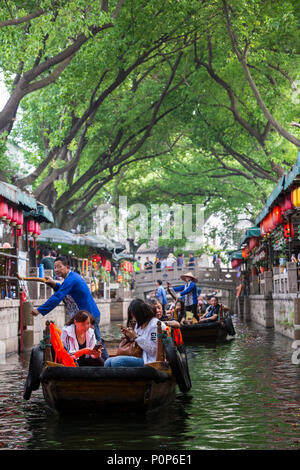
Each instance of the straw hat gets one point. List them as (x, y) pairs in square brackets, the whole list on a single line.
[(170, 255), (189, 274)]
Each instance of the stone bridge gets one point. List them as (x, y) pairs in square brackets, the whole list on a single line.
[(224, 280)]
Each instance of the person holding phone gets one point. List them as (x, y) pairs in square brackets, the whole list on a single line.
[(144, 334), (79, 340)]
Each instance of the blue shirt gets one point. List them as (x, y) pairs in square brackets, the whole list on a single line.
[(191, 289), (161, 295), (212, 311), (75, 286)]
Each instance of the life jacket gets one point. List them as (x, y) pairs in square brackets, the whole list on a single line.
[(61, 354), (177, 336)]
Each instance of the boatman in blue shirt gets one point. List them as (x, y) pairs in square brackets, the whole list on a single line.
[(75, 286), (188, 293)]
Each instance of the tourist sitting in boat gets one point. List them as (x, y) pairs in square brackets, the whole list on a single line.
[(202, 305), (79, 339), (212, 312), (177, 311), (144, 334), (169, 321)]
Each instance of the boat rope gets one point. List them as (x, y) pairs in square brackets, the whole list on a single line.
[(42, 342)]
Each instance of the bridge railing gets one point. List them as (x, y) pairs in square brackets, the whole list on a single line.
[(201, 273)]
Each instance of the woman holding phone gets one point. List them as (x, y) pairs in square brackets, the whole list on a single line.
[(144, 334), (79, 339)]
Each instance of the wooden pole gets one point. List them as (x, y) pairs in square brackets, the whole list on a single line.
[(47, 337), (160, 346)]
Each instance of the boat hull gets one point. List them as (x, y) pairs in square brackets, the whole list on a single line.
[(202, 333), (101, 389)]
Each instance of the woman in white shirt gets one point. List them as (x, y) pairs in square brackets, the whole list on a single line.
[(79, 339), (144, 333)]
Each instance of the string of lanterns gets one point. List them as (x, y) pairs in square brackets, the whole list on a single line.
[(15, 217)]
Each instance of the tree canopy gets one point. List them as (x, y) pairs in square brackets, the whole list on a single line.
[(187, 101)]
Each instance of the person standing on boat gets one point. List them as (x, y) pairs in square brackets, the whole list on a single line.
[(75, 286), (189, 293), (160, 294)]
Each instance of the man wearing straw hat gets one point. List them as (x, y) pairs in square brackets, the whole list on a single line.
[(189, 292)]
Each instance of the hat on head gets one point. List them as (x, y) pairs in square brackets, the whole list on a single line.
[(189, 274)]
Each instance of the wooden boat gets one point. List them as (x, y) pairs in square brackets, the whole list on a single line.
[(208, 331), (213, 331), (66, 389)]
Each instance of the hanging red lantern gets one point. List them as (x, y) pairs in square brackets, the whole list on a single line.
[(277, 216), (37, 230), (3, 209), (288, 230), (236, 262), (108, 266), (30, 227), (9, 214), (287, 203), (14, 217), (20, 220), (245, 252), (253, 243), (268, 223)]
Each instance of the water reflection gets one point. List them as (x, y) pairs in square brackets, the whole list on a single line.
[(245, 395)]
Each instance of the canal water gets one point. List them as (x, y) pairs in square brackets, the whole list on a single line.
[(245, 395)]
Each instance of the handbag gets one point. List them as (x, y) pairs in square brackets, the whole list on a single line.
[(129, 348)]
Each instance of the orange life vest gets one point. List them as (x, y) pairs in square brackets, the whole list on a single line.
[(177, 337), (61, 354)]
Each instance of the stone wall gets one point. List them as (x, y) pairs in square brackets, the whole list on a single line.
[(9, 324), (34, 326), (273, 311), (119, 310), (261, 310), (284, 314)]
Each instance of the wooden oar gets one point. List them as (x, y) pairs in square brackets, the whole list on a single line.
[(38, 279)]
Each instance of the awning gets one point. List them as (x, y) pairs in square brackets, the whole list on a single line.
[(283, 185), (56, 235), (13, 194), (236, 254), (41, 213), (250, 232), (293, 175)]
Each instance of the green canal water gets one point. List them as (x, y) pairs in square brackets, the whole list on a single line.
[(245, 395)]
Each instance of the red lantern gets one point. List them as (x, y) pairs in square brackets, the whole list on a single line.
[(268, 223), (277, 216), (236, 262), (287, 203), (245, 252), (108, 266), (3, 209), (9, 214), (15, 217), (37, 230), (30, 227), (288, 230), (20, 220), (253, 243)]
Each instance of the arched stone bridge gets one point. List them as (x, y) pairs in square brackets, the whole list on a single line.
[(220, 279)]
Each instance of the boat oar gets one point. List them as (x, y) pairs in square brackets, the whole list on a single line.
[(37, 279)]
